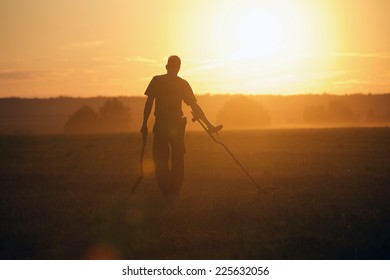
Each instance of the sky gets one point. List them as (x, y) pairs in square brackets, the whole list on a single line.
[(85, 48)]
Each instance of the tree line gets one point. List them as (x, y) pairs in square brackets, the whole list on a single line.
[(238, 112), (51, 115)]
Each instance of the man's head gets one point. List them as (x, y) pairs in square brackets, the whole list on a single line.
[(173, 65)]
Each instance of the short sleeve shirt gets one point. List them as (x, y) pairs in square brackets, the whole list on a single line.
[(169, 92)]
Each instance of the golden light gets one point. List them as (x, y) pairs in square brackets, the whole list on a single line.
[(246, 33), (258, 34), (248, 40)]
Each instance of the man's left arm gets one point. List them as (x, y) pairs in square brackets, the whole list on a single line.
[(190, 100), (199, 114)]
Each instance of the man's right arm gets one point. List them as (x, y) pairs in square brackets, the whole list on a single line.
[(147, 110)]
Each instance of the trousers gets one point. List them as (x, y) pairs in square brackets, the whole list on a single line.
[(168, 143)]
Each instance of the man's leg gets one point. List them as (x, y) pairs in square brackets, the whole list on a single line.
[(178, 151), (161, 157)]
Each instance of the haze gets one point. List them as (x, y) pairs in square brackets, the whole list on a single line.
[(89, 48)]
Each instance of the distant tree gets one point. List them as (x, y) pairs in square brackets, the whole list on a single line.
[(115, 116), (84, 120), (340, 112), (315, 114), (371, 115), (243, 112), (337, 112), (376, 118)]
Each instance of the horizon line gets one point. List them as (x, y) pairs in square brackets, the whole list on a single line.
[(201, 94)]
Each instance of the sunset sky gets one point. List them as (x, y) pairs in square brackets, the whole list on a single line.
[(113, 47)]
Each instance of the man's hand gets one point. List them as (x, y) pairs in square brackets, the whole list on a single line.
[(144, 131), (214, 129)]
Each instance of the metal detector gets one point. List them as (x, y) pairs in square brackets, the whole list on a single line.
[(218, 141), (141, 166)]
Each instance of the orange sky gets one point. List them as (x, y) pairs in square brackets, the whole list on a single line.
[(98, 47)]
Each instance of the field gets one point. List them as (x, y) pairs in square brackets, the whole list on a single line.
[(67, 197)]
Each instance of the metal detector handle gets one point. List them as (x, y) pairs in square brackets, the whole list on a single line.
[(215, 130), (194, 119)]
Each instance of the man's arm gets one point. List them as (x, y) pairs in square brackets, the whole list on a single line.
[(199, 114), (147, 110), (190, 100)]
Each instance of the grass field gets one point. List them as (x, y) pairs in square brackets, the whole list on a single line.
[(67, 197)]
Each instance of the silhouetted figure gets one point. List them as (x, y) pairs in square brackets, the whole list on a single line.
[(168, 91)]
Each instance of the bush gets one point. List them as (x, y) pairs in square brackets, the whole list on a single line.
[(84, 120), (114, 116)]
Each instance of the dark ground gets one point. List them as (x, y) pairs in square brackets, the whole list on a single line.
[(67, 197)]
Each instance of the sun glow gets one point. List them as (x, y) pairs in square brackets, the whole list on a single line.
[(248, 33), (258, 35), (252, 39)]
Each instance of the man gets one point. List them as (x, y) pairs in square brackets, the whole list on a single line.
[(167, 92)]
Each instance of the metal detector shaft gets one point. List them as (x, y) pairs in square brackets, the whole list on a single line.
[(141, 167), (228, 151)]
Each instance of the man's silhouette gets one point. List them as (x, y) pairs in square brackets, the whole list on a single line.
[(168, 91)]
